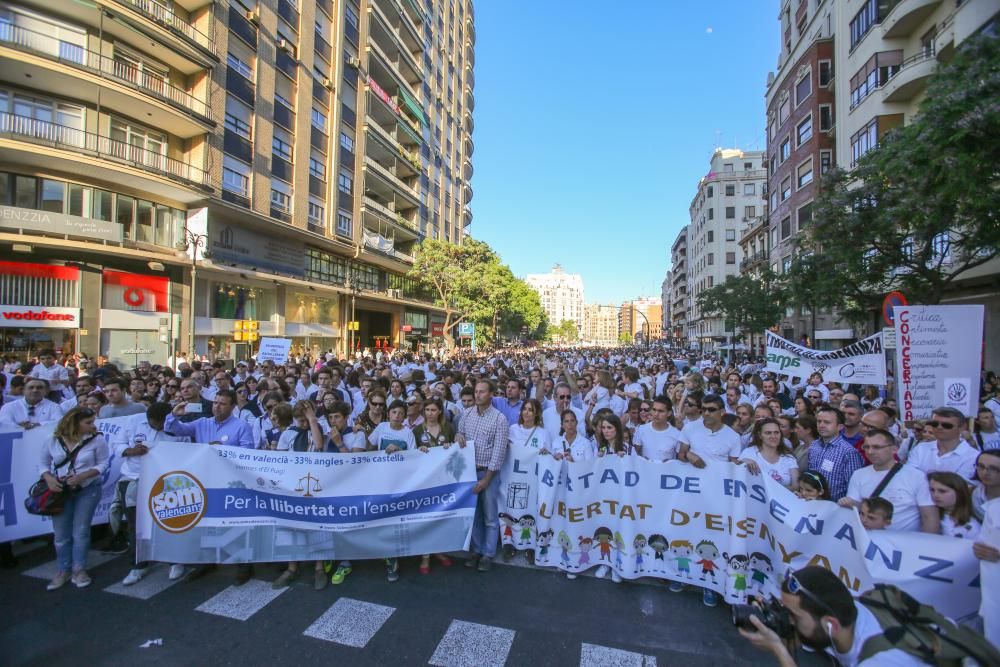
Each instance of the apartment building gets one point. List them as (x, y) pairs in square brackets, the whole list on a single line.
[(641, 319), (561, 295), (728, 198), (600, 324), (680, 299), (275, 160)]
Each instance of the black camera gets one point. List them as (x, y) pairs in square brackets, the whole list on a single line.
[(772, 613)]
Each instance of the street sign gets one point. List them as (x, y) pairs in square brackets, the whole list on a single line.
[(891, 300), (466, 330)]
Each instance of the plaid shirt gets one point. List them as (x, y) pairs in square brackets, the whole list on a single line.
[(489, 431), (837, 460)]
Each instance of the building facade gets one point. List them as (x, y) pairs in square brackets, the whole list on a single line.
[(600, 324), (727, 200), (641, 319), (561, 295), (680, 300), (137, 134)]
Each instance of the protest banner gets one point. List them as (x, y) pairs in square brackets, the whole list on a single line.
[(862, 362), (274, 349), (938, 358), (717, 527), (20, 456), (215, 504)]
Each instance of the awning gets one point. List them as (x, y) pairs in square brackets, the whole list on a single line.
[(413, 106)]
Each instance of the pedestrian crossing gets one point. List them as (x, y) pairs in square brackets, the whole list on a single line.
[(350, 622)]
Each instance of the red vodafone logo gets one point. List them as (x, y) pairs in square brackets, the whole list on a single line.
[(133, 296), (36, 315)]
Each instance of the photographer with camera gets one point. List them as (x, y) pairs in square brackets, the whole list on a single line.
[(883, 627)]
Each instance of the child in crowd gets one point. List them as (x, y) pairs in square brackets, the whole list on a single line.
[(392, 437), (875, 513), (950, 492), (813, 486)]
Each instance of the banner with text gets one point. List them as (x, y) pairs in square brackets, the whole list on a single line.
[(718, 527), (938, 358), (20, 456), (213, 504), (862, 362)]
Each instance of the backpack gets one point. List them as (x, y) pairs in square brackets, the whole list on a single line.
[(921, 631)]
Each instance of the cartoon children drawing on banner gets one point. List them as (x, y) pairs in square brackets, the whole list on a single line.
[(707, 553)]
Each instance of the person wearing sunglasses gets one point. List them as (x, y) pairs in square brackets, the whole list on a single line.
[(32, 408), (826, 618), (948, 452)]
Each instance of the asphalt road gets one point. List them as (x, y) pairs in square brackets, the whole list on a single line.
[(513, 615)]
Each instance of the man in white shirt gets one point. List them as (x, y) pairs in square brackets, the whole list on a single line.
[(907, 490), (83, 386), (47, 369), (711, 440), (948, 453), (32, 409), (552, 419), (657, 440), (986, 436)]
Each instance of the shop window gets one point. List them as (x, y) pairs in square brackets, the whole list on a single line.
[(238, 302), (124, 214), (144, 221), (53, 196), (310, 309), (25, 192)]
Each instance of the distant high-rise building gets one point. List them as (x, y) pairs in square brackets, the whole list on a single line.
[(561, 295), (600, 324), (640, 318), (679, 298)]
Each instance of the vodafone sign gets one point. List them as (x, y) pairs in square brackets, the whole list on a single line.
[(39, 317)]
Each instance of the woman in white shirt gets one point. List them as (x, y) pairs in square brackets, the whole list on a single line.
[(769, 455), (528, 431), (74, 460), (572, 445)]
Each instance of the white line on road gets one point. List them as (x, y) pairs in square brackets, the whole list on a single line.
[(241, 602), (592, 655), (157, 580), (473, 645), (350, 622)]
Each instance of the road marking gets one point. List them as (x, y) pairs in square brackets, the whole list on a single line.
[(473, 645), (592, 655), (50, 569), (350, 622), (241, 602), (156, 581)]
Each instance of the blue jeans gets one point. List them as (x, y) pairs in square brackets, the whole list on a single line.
[(486, 524), (72, 527)]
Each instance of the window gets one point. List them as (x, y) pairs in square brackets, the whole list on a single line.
[(730, 190), (317, 164), (730, 258), (350, 16), (786, 189), (53, 196), (235, 176), (240, 65), (750, 212), (783, 110), (803, 88), (281, 144), (727, 167), (748, 166), (786, 149), (863, 21), (865, 140), (825, 73), (711, 258), (749, 188), (804, 130), (874, 74), (711, 191), (711, 214), (345, 224), (774, 200), (345, 182), (319, 119), (239, 117), (730, 213), (786, 227), (805, 215), (317, 210), (711, 236), (281, 196), (804, 175), (347, 140), (730, 234), (825, 117), (825, 161)]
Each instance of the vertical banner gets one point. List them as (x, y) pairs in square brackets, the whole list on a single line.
[(862, 362), (938, 358)]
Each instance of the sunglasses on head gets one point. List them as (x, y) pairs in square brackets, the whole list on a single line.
[(794, 586)]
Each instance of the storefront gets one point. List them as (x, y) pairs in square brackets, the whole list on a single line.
[(311, 323), (136, 319), (220, 304), (39, 308), (416, 330)]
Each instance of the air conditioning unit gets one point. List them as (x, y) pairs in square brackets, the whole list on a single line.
[(354, 62), (328, 84), (253, 16), (394, 293)]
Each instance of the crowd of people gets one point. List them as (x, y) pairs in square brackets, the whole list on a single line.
[(824, 441)]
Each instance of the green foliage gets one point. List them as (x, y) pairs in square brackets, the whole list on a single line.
[(747, 303), (566, 332), (920, 211), (625, 338)]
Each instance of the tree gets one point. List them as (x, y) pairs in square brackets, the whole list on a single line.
[(748, 304), (625, 338), (919, 212)]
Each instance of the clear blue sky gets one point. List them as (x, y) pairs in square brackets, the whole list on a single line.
[(595, 120)]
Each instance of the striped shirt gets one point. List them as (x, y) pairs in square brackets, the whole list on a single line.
[(837, 460), (488, 431)]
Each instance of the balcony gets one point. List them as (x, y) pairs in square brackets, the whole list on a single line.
[(470, 77), (386, 113), (906, 16), (754, 260), (390, 42), (70, 150), (466, 216), (470, 147), (467, 169), (241, 26), (470, 100), (60, 68), (170, 23), (470, 53), (388, 187), (470, 29), (402, 228), (911, 79)]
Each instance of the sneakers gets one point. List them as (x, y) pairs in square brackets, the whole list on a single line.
[(58, 581), (710, 598), (676, 587), (134, 576), (472, 562), (340, 574), (602, 571), (392, 569), (319, 580), (570, 575), (284, 579), (615, 577), (81, 579), (485, 563), (176, 572)]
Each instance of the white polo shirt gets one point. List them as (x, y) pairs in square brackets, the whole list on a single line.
[(711, 446), (961, 460), (908, 491), (657, 445)]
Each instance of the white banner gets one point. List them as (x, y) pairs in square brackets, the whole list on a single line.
[(274, 349), (20, 456), (718, 527), (862, 362), (938, 358), (213, 504)]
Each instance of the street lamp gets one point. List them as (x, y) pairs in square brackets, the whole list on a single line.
[(353, 283), (193, 242)]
